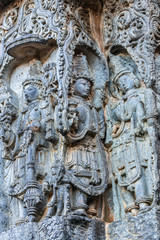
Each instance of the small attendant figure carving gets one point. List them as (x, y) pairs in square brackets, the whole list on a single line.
[(60, 188), (129, 142)]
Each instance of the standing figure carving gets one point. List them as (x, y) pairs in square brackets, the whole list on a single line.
[(85, 159), (129, 141), (8, 113), (59, 187), (34, 133)]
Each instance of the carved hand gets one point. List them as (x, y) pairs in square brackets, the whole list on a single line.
[(95, 179), (73, 117), (140, 130), (6, 133), (34, 126), (46, 188)]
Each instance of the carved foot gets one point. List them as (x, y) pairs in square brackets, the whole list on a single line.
[(80, 212)]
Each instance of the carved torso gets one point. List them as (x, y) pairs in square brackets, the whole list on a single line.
[(128, 136), (85, 160)]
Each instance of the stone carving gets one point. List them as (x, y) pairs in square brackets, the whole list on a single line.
[(34, 130), (85, 159), (79, 143), (8, 112), (126, 25), (60, 188), (130, 140)]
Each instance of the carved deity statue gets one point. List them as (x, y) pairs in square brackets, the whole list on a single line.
[(85, 158), (129, 142), (8, 113), (33, 133), (59, 187)]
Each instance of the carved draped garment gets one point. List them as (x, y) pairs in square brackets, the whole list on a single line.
[(85, 158), (129, 152), (28, 116)]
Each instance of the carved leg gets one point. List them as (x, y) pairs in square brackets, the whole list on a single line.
[(129, 201), (52, 204), (80, 203), (142, 197), (67, 200), (22, 213), (51, 211), (60, 200)]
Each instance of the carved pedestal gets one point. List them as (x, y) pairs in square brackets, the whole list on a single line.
[(60, 228), (144, 226)]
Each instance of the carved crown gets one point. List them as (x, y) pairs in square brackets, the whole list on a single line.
[(35, 74), (81, 68), (119, 70)]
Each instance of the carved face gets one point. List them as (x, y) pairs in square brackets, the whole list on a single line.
[(31, 93), (157, 87), (82, 87), (125, 83)]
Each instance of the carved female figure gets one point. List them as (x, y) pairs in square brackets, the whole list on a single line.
[(129, 144)]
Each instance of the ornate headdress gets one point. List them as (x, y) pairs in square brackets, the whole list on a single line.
[(119, 70), (35, 74), (81, 68)]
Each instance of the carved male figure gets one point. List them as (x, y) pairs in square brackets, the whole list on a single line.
[(85, 158), (60, 188), (32, 136), (8, 113)]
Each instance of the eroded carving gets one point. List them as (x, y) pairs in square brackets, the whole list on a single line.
[(130, 123), (55, 124), (85, 158)]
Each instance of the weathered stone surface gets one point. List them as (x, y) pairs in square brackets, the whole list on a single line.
[(28, 231), (144, 226), (60, 228)]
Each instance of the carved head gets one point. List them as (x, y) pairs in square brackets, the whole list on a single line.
[(123, 73), (81, 76), (125, 83), (156, 86), (82, 87), (32, 85), (31, 92)]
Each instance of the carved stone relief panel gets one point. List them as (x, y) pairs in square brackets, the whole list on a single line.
[(131, 42), (79, 117), (134, 26), (52, 145), (131, 135)]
